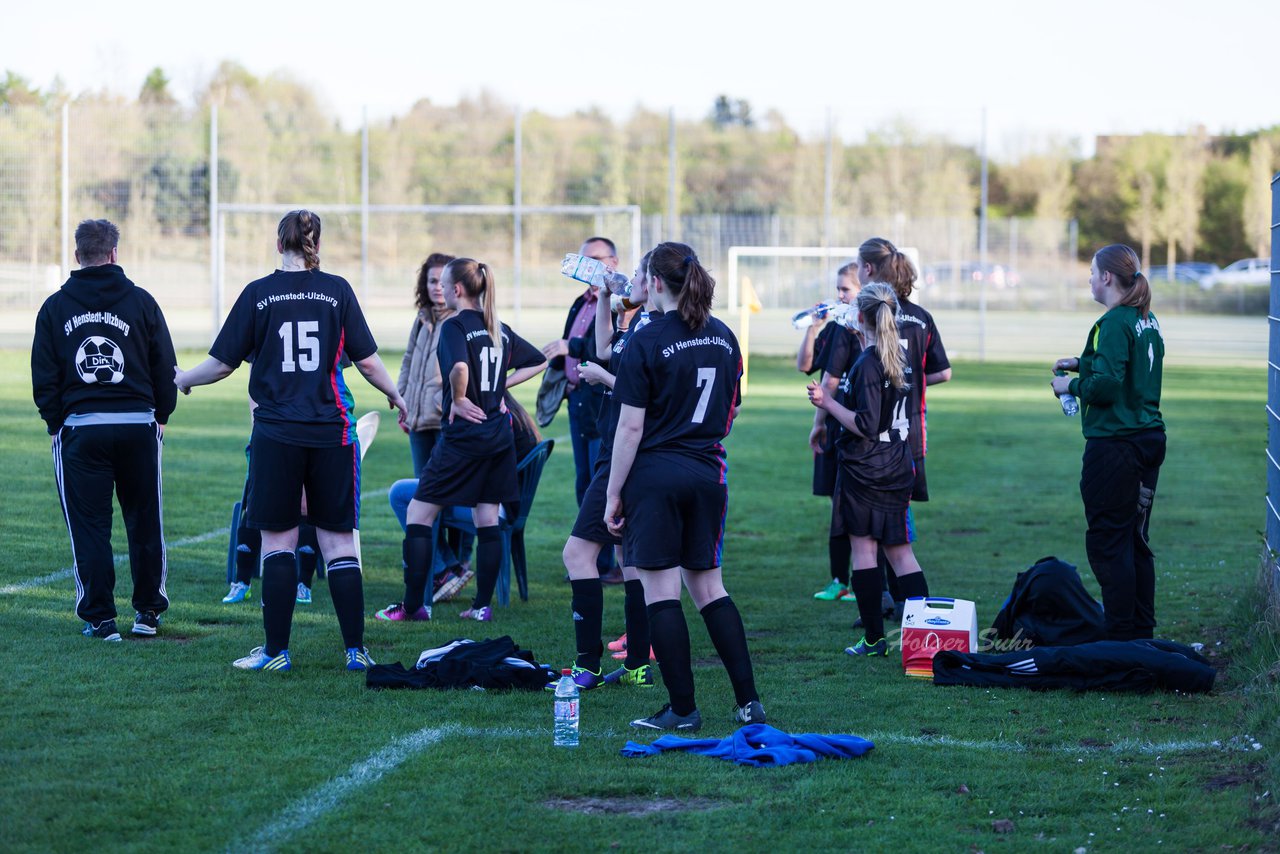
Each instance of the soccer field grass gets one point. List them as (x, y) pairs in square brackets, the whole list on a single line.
[(160, 745)]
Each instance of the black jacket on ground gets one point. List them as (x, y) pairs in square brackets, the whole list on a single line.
[(1050, 607), (463, 663), (101, 345), (1136, 665)]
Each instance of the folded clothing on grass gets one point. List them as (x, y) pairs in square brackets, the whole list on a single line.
[(1134, 665), (759, 744), (465, 663)]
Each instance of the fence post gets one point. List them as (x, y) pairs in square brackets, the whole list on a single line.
[(215, 274), (364, 205), (517, 215), (672, 213), (982, 250), (1273, 396), (66, 191)]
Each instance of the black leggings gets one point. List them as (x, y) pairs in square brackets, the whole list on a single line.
[(1118, 484)]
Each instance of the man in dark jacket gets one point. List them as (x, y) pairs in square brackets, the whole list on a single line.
[(585, 399), (102, 376)]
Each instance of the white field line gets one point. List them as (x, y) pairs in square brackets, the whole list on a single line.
[(326, 797), (1125, 746), (66, 572), (330, 795)]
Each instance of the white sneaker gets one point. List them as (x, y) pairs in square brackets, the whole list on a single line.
[(238, 593)]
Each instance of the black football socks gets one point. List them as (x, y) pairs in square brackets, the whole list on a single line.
[(346, 589), (308, 553), (913, 585), (724, 624), (840, 551), (418, 556), (488, 562), (279, 593), (866, 585), (248, 551), (670, 635), (637, 625), (588, 615)]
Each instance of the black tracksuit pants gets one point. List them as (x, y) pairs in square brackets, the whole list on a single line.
[(91, 461), (1118, 483)]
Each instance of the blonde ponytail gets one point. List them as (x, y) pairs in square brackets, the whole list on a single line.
[(879, 309)]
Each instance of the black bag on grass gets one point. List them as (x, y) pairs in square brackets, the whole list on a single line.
[(1049, 607)]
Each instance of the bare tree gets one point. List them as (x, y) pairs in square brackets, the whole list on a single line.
[(1257, 196), (1184, 193)]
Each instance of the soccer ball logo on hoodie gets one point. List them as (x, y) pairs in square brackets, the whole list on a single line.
[(100, 360)]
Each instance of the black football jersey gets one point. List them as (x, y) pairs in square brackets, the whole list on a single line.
[(295, 328), (925, 355), (607, 422), (840, 351), (464, 338), (881, 461), (686, 380)]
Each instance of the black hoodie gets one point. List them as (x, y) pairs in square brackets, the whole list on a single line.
[(101, 345)]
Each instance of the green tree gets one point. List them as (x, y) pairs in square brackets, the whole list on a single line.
[(16, 91), (155, 89)]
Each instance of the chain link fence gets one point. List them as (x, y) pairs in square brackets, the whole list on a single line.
[(150, 169)]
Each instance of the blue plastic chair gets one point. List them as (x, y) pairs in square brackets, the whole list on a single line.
[(528, 472)]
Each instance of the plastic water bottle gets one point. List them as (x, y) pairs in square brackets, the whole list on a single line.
[(1070, 406), (566, 710), (838, 311), (589, 271), (808, 317)]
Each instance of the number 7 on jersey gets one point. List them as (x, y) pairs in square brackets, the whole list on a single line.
[(706, 379)]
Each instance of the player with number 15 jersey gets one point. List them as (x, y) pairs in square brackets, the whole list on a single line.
[(295, 326)]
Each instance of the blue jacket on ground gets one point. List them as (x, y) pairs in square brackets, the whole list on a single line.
[(759, 744)]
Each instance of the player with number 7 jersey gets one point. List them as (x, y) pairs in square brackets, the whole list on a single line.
[(678, 392)]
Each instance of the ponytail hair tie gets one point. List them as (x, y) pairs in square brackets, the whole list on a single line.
[(1136, 274), (690, 259)]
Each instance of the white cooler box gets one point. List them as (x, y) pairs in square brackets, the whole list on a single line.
[(932, 624)]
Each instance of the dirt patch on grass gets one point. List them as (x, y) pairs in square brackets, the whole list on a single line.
[(1228, 780), (631, 805), (1095, 744)]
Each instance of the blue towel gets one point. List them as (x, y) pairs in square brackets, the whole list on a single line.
[(759, 744)]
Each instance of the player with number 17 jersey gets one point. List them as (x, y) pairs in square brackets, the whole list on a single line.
[(295, 326), (463, 338)]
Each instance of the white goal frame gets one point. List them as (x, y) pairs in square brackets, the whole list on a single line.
[(826, 252)]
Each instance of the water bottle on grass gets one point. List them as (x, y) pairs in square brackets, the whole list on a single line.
[(566, 710)]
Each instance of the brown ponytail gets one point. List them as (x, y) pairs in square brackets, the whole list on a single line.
[(1125, 268), (686, 279), (879, 309), (477, 283), (889, 265), (299, 232)]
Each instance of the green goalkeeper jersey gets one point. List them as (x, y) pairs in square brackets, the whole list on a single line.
[(1120, 374)]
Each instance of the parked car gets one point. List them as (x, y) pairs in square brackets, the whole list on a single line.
[(1246, 271), (1200, 269), (1160, 273), (967, 272)]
